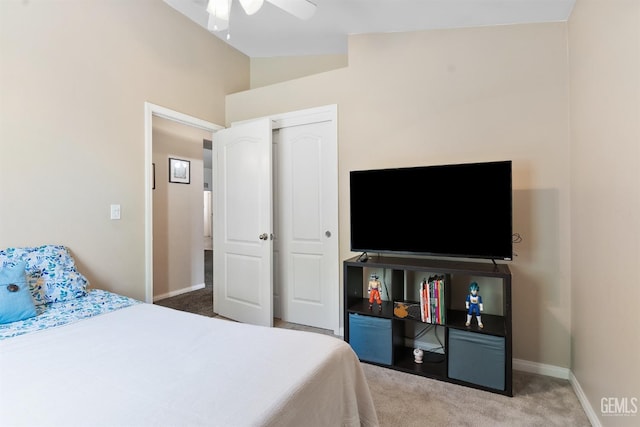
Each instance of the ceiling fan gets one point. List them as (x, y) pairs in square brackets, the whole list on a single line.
[(219, 10)]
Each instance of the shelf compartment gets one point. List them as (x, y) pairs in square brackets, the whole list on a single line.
[(361, 306), (433, 364), (492, 325)]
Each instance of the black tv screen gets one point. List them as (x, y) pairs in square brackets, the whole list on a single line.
[(458, 210)]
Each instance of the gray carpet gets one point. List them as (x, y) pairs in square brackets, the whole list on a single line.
[(200, 301), (411, 401), (404, 400)]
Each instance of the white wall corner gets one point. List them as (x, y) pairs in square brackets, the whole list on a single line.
[(563, 373)]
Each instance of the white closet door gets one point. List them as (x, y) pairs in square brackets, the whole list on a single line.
[(243, 223), (307, 223)]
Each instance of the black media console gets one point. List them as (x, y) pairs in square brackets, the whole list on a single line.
[(451, 351)]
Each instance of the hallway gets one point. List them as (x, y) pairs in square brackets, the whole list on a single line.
[(200, 301)]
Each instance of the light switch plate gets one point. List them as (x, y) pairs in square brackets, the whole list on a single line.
[(115, 211)]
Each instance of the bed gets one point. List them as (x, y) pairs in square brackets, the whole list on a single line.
[(102, 359)]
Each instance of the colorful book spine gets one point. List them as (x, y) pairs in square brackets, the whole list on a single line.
[(423, 317), (442, 304), (432, 306), (436, 291)]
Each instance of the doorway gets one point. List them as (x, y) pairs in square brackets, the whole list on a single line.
[(207, 160), (152, 175), (296, 294), (207, 168)]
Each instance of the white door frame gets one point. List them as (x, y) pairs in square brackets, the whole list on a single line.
[(151, 110)]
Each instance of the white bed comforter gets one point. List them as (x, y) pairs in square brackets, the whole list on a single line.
[(147, 365)]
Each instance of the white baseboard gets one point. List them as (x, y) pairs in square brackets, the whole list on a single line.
[(178, 292), (565, 374), (541, 368), (591, 414)]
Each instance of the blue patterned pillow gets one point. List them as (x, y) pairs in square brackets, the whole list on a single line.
[(15, 297), (51, 272)]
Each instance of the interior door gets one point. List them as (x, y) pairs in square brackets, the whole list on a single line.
[(243, 223), (306, 222)]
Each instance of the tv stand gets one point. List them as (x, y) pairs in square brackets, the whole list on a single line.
[(451, 351)]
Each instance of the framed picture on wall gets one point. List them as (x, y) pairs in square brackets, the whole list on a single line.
[(179, 171)]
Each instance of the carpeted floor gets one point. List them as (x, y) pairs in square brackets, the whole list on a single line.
[(404, 400), (411, 401), (200, 301)]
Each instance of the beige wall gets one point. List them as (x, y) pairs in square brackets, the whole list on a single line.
[(464, 95), (267, 71), (178, 224), (604, 42), (74, 77)]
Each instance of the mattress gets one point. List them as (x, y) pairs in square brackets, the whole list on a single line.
[(146, 365)]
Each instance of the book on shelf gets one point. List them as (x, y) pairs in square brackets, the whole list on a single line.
[(432, 307)]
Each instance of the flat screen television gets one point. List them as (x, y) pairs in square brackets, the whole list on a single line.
[(457, 210)]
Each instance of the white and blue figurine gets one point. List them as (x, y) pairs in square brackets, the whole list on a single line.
[(474, 304)]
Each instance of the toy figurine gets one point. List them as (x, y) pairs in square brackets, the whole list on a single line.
[(374, 292), (474, 304)]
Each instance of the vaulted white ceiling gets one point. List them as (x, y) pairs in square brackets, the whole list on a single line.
[(273, 32)]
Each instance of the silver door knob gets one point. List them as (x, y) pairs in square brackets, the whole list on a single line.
[(263, 236), (327, 233)]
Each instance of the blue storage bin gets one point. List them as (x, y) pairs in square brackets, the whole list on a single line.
[(477, 358), (370, 338)]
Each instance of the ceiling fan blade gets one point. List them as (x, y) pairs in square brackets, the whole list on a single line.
[(216, 24), (302, 9)]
